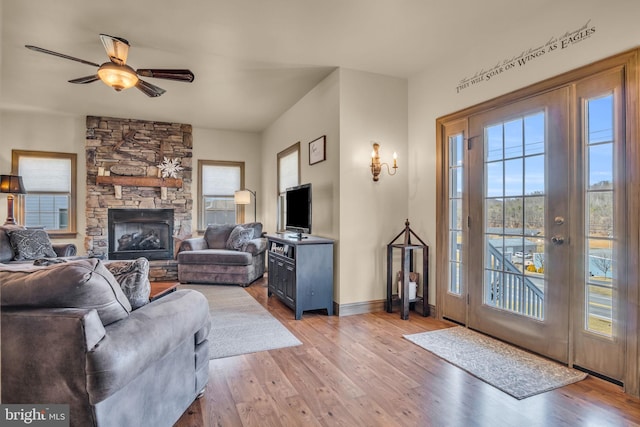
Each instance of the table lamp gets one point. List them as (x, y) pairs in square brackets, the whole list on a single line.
[(11, 184)]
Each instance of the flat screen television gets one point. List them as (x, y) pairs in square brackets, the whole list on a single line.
[(298, 209)]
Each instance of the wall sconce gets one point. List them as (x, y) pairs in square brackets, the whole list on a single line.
[(243, 197), (11, 184), (376, 166)]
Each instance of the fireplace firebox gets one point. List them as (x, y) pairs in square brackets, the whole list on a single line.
[(135, 233)]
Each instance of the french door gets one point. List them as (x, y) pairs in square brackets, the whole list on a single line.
[(538, 222), (519, 199)]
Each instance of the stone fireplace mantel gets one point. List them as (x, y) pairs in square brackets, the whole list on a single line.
[(139, 181)]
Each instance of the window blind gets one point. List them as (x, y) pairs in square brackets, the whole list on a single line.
[(49, 175), (220, 180), (288, 171)]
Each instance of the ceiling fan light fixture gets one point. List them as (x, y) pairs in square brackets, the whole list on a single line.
[(116, 76)]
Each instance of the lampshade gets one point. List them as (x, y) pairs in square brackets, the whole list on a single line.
[(117, 76), (11, 184), (242, 197)]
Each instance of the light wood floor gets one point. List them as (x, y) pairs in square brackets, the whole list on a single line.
[(359, 371)]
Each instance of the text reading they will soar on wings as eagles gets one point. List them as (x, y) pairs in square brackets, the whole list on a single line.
[(554, 44)]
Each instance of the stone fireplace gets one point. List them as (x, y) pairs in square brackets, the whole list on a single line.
[(125, 159), (135, 233)]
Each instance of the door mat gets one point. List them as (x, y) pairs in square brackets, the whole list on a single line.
[(514, 371)]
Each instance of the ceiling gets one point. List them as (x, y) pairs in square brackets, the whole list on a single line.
[(253, 59)]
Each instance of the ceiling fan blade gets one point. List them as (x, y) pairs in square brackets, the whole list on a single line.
[(149, 89), (179, 75), (84, 80), (60, 55), (117, 48)]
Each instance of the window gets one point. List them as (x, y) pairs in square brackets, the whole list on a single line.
[(599, 209), (288, 176), (456, 170), (50, 181), (219, 181)]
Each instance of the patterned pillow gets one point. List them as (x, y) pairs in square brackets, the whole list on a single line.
[(31, 244), (239, 238), (133, 277)]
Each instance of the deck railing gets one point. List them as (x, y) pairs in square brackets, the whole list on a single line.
[(509, 289)]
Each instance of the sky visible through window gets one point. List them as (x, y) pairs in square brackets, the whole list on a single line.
[(516, 167)]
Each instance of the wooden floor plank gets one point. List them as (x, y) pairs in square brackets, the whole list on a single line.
[(359, 370)]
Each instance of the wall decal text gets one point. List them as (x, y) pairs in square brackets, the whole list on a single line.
[(555, 44)]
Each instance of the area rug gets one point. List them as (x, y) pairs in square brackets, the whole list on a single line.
[(514, 371), (239, 324)]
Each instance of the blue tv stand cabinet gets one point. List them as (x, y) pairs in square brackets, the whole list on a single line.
[(301, 272)]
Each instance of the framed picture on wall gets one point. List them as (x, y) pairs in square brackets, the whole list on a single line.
[(317, 149)]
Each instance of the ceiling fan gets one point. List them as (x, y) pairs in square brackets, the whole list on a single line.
[(117, 74)]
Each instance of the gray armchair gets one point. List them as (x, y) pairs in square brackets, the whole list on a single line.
[(69, 336), (226, 254)]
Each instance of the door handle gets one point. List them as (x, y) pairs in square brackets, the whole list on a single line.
[(557, 240)]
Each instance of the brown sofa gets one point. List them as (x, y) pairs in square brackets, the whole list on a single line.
[(216, 258)]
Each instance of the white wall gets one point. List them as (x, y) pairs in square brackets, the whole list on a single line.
[(433, 93), (353, 109), (314, 115), (212, 144), (372, 108)]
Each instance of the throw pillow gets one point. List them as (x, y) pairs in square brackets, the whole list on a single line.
[(133, 277), (30, 244), (239, 238)]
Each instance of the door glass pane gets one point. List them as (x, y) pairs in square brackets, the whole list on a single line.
[(513, 139), (455, 183), (455, 261), (514, 225), (513, 177), (534, 216), (494, 145), (534, 134), (600, 119), (601, 165), (494, 214), (600, 212), (456, 170), (534, 175), (513, 219), (600, 283), (494, 252), (494, 179), (455, 208)]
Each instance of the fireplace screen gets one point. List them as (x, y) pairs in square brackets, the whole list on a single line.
[(137, 233)]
